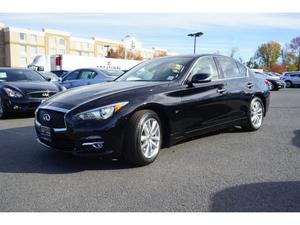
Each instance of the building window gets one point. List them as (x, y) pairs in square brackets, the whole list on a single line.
[(62, 43), (33, 39), (33, 50), (77, 45), (85, 46), (52, 42), (61, 51), (22, 37), (23, 50), (23, 62), (53, 51), (101, 49)]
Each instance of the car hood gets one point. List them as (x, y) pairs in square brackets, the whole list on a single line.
[(76, 96), (28, 86)]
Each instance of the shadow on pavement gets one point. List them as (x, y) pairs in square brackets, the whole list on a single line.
[(18, 116), (259, 197), (20, 153), (296, 138)]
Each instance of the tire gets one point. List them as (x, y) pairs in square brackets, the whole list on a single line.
[(288, 84), (256, 110), (137, 137), (3, 113)]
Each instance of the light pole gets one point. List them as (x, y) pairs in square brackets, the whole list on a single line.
[(195, 35)]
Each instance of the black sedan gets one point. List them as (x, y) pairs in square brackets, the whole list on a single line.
[(155, 104), (274, 82), (22, 90)]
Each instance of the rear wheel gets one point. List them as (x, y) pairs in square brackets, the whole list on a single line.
[(255, 115), (288, 84), (144, 138)]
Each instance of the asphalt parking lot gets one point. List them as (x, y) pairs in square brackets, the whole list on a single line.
[(224, 171)]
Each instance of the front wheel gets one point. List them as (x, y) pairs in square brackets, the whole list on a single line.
[(288, 84), (255, 115), (2, 110), (144, 138)]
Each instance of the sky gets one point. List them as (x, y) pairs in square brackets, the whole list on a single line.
[(222, 32)]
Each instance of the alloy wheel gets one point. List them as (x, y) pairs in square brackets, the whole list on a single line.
[(256, 113), (150, 138)]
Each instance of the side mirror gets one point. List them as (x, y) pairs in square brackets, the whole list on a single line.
[(48, 78), (40, 68), (200, 78), (60, 79)]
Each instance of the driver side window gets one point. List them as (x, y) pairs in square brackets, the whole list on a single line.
[(73, 75), (206, 65)]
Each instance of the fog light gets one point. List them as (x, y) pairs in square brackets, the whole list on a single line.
[(16, 107), (98, 146)]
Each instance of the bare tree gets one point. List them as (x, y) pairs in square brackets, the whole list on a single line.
[(295, 46)]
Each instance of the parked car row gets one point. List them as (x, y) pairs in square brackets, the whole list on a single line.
[(274, 82), (292, 79)]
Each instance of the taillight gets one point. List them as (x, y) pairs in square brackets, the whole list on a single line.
[(266, 82), (58, 62)]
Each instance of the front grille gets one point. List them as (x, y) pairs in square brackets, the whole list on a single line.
[(50, 118), (41, 94)]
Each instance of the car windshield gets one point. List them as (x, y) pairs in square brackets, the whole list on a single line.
[(113, 73), (163, 69), (20, 75)]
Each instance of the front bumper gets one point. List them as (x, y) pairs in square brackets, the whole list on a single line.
[(88, 144), (21, 105)]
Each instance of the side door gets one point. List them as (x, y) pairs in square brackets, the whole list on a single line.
[(239, 86), (203, 103), (69, 80), (297, 79)]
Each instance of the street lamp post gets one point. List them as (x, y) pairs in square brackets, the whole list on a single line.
[(195, 35)]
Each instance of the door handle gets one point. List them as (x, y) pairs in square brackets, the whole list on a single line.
[(250, 85), (221, 90)]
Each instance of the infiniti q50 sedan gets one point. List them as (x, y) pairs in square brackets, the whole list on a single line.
[(155, 104)]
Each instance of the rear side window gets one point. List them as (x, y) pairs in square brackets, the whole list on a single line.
[(206, 65), (242, 69), (229, 67), (87, 74)]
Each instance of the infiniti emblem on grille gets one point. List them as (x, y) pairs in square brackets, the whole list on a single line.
[(46, 117), (46, 94)]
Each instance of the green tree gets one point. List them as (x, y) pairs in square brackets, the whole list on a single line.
[(295, 46), (268, 54), (252, 63)]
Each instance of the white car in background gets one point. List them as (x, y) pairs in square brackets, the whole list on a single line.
[(292, 79)]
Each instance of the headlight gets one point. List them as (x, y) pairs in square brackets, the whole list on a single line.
[(101, 113), (12, 93)]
